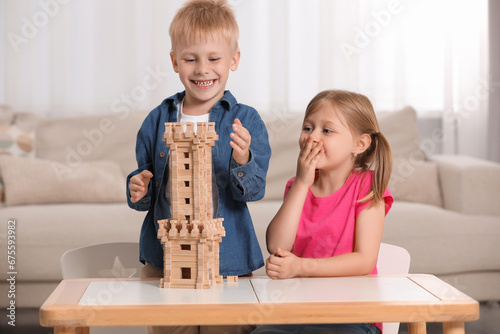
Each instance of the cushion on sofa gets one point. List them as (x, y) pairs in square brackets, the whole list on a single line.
[(284, 131), (414, 178), (45, 232), (6, 115), (17, 133), (401, 130), (37, 181), (442, 241), (418, 183), (91, 138)]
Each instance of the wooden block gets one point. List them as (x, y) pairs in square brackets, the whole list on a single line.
[(232, 279)]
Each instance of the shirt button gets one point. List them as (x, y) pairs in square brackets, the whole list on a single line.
[(241, 174), (162, 154), (157, 184)]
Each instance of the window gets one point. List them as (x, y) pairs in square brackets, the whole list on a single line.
[(186, 273)]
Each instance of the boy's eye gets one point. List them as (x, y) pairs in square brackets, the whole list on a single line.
[(214, 58), (189, 60)]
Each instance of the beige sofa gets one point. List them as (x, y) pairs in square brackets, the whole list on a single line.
[(67, 190)]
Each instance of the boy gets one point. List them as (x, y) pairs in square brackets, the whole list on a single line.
[(204, 36)]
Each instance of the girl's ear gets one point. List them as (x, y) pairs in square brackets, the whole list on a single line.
[(362, 143), (175, 64)]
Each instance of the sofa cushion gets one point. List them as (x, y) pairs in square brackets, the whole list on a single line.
[(414, 178), (37, 181), (401, 130), (284, 131), (442, 241), (92, 138), (416, 183), (17, 132), (17, 142), (6, 115), (45, 232)]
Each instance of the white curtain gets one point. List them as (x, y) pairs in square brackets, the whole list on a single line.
[(65, 58)]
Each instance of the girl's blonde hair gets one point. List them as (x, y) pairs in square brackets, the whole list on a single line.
[(358, 113), (199, 20)]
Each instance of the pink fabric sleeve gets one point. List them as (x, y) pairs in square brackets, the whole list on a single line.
[(366, 187)]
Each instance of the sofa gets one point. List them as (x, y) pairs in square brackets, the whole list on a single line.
[(63, 183)]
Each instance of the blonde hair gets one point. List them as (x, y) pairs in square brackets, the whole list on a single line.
[(198, 20), (358, 113)]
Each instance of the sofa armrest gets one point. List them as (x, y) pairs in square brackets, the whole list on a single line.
[(469, 185)]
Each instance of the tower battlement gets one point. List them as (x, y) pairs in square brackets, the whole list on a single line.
[(175, 132)]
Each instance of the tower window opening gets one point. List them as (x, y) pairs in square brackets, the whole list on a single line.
[(186, 273)]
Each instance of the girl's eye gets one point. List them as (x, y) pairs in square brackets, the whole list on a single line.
[(327, 131), (307, 129)]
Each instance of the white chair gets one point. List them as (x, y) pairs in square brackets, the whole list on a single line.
[(392, 260), (109, 260)]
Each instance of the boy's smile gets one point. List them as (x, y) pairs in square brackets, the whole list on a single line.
[(204, 84), (204, 70)]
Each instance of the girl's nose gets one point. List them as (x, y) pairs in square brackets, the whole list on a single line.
[(313, 138)]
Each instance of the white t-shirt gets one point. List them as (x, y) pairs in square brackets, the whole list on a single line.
[(194, 119)]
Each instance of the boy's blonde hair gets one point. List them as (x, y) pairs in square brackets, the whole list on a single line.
[(199, 20), (357, 111)]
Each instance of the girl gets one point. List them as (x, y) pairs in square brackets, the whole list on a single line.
[(332, 218)]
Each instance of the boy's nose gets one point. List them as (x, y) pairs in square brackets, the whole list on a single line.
[(202, 68)]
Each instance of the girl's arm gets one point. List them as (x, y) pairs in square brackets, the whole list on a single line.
[(368, 235), (282, 229)]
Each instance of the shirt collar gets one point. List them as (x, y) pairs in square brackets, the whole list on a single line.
[(228, 101)]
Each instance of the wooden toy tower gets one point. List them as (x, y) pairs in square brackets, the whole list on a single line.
[(191, 237)]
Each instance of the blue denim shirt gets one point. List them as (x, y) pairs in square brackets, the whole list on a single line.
[(239, 250)]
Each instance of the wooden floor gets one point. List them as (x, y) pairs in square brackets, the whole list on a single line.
[(489, 322)]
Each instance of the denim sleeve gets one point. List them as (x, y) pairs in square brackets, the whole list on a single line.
[(143, 156), (145, 203), (248, 182)]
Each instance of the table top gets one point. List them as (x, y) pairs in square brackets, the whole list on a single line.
[(257, 300)]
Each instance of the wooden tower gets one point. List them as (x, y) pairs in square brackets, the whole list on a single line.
[(191, 237)]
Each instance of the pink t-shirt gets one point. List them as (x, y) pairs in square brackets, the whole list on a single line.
[(327, 224)]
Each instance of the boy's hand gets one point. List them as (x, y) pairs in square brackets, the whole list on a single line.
[(241, 143), (138, 185), (283, 264), (310, 153)]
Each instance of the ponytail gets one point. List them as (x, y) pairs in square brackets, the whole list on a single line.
[(380, 157)]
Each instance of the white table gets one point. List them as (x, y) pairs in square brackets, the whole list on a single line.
[(76, 305)]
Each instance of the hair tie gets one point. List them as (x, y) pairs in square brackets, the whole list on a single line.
[(376, 134)]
